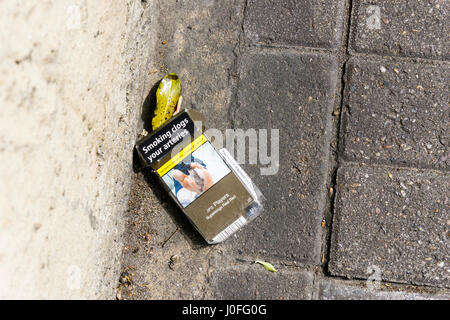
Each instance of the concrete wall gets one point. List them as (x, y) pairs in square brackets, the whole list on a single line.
[(72, 82)]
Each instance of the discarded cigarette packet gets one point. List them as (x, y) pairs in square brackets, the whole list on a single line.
[(208, 185)]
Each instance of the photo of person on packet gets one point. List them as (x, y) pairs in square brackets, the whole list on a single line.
[(195, 174)]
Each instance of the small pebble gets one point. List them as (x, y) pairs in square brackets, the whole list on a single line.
[(382, 69), (173, 260)]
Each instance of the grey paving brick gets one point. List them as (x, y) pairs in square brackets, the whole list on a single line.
[(397, 112), (293, 93), (407, 28), (330, 289), (287, 22), (394, 219), (255, 282)]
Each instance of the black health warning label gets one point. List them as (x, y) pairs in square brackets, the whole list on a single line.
[(164, 140)]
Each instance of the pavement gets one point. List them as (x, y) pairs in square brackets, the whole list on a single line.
[(359, 208)]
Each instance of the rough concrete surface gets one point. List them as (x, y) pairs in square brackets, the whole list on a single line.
[(198, 40), (391, 223), (70, 103), (411, 28)]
